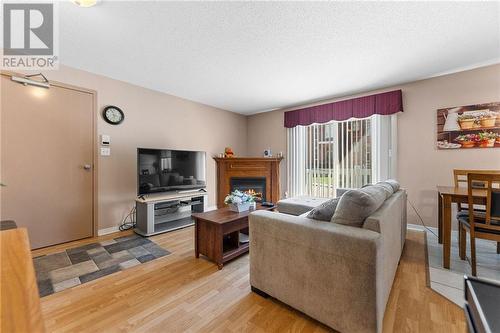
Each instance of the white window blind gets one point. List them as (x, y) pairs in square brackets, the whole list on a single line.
[(346, 154)]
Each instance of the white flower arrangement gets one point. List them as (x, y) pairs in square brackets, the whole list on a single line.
[(237, 197)]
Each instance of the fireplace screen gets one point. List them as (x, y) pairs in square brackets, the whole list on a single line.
[(254, 186)]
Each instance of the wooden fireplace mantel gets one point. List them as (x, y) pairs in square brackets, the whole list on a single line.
[(268, 167)]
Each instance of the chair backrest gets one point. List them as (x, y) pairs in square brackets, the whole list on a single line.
[(460, 176), (492, 190)]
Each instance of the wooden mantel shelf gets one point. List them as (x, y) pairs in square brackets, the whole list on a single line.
[(262, 159), (241, 167)]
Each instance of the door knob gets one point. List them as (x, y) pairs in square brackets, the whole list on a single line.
[(87, 166)]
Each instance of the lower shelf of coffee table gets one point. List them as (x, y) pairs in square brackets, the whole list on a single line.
[(235, 252), (233, 246)]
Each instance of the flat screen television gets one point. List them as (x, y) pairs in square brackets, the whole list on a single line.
[(168, 170)]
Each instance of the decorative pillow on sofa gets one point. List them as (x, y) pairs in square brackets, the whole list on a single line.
[(356, 205), (394, 184), (325, 211), (387, 187)]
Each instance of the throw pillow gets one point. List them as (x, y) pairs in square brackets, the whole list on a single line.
[(387, 187), (393, 183), (325, 211), (356, 205)]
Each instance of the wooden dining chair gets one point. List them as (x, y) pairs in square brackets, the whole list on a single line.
[(484, 225), (460, 178)]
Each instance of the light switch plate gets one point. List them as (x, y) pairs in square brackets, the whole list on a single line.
[(105, 151)]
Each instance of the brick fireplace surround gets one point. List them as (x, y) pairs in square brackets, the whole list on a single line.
[(248, 167)]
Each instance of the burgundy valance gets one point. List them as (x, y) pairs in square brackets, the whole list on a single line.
[(361, 107)]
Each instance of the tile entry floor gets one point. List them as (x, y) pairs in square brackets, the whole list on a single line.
[(450, 282), (74, 266)]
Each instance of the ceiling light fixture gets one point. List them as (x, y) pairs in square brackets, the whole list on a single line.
[(85, 3)]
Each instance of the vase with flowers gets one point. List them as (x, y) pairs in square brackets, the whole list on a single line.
[(238, 201)]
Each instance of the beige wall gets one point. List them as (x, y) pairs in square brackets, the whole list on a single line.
[(420, 165), (156, 120), (266, 130)]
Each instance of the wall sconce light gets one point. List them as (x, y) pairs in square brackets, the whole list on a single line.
[(26, 80)]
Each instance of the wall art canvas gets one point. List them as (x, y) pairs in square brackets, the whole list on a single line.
[(470, 126)]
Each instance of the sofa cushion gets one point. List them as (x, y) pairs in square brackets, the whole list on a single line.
[(298, 205), (324, 211), (356, 205)]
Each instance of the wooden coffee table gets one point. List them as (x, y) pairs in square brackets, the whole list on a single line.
[(217, 234)]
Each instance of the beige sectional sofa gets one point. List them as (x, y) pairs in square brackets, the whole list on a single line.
[(340, 275)]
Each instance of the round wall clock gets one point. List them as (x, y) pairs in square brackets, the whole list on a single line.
[(113, 115)]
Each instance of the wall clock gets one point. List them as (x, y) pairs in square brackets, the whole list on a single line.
[(113, 115)]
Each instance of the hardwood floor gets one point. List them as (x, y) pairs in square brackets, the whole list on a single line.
[(180, 293), (413, 306)]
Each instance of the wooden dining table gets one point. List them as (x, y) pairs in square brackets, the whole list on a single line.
[(446, 196)]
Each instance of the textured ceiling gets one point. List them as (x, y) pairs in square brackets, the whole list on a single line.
[(249, 57)]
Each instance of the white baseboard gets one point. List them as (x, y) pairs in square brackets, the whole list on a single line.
[(420, 227), (410, 226), (106, 231)]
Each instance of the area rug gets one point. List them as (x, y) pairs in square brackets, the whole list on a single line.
[(75, 266)]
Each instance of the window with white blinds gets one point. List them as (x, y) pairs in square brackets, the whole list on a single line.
[(340, 154)]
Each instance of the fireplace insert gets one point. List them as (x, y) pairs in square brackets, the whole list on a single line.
[(255, 186)]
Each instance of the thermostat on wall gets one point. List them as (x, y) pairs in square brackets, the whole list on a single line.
[(105, 140)]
